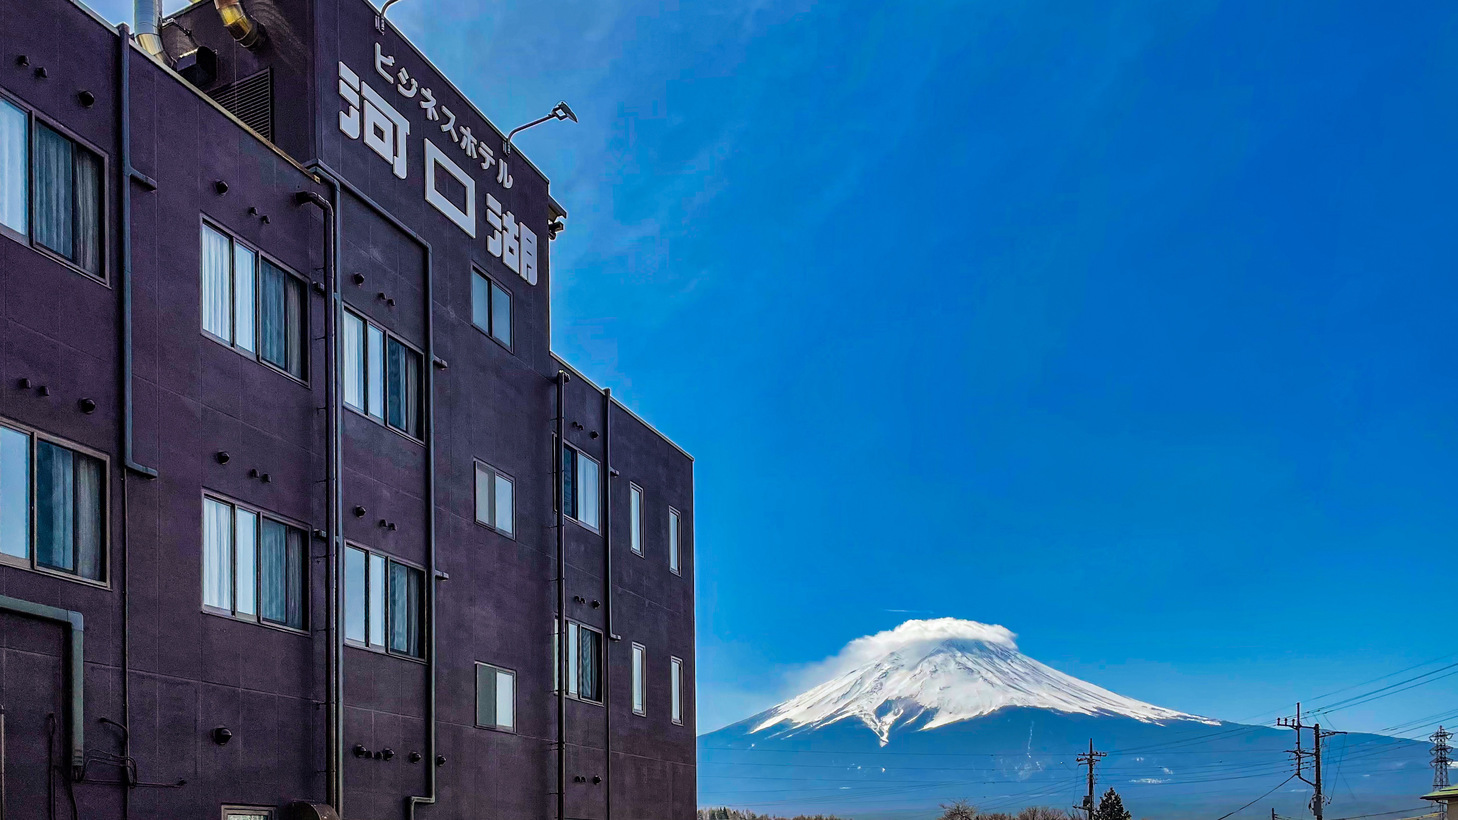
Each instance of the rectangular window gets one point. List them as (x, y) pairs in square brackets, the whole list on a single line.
[(491, 308), (495, 697), (383, 377), (253, 566), (580, 491), (639, 662), (635, 518), (495, 492), (14, 168), (53, 502), (51, 190), (673, 541), (584, 662), (66, 203), (676, 689), (253, 305), (384, 604), (248, 813)]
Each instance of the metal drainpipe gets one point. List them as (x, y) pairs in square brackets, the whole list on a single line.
[(127, 174), (76, 668), (432, 594), (333, 517), (607, 597), (562, 379)]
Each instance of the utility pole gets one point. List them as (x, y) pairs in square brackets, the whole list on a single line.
[(1318, 799), (1441, 748), (1090, 760)]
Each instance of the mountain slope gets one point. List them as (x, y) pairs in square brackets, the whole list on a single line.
[(939, 710)]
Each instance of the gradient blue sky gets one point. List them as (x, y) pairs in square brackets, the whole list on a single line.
[(1129, 326)]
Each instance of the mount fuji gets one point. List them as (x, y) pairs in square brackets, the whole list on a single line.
[(946, 709)]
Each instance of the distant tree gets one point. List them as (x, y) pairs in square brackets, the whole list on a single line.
[(1042, 813), (995, 816), (959, 810), (1111, 807)]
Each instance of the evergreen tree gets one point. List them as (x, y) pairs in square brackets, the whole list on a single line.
[(1111, 807)]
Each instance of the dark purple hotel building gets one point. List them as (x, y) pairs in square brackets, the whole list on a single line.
[(300, 516)]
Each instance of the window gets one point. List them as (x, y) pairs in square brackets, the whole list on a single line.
[(51, 190), (248, 813), (494, 499), (673, 541), (495, 697), (252, 304), (675, 667), (584, 661), (639, 661), (384, 603), (253, 566), (491, 308), (53, 506), (383, 377), (635, 518), (580, 486)]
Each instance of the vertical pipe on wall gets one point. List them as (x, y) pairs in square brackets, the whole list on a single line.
[(433, 581), (126, 175), (607, 598), (557, 457), (332, 518)]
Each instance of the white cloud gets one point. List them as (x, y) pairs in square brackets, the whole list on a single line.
[(909, 637)]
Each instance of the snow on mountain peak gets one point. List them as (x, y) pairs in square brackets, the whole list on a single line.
[(939, 672)]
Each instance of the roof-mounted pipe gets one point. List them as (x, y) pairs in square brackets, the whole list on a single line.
[(248, 33), (149, 26)]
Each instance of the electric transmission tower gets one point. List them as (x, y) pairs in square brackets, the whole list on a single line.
[(1440, 766), (1090, 760), (1318, 797)]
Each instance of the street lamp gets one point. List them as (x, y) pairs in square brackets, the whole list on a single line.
[(559, 112)]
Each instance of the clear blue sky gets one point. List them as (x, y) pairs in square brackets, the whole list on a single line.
[(1130, 326)]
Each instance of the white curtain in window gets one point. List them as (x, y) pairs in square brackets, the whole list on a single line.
[(217, 301), (90, 518), (375, 367), (673, 535), (354, 594), (54, 192), (14, 169), (505, 699), (88, 252), (638, 679), (217, 554), (635, 516), (587, 491), (677, 693), (244, 272), (55, 511), (353, 368), (377, 600), (14, 492), (246, 540)]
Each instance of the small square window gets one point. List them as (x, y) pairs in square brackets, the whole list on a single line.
[(495, 697), (495, 499), (491, 308)]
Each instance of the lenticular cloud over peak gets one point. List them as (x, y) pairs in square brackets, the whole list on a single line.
[(917, 636)]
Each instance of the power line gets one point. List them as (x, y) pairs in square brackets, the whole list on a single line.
[(1253, 802)]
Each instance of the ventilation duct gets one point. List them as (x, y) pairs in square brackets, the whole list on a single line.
[(248, 33), (149, 26)]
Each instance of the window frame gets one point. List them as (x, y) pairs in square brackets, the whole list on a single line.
[(481, 466), (675, 541), (498, 669), (384, 648), (638, 674), (33, 116), (231, 811), (490, 329), (571, 511), (387, 335), (675, 672), (256, 355), (31, 562), (557, 657), (637, 532), (257, 617)]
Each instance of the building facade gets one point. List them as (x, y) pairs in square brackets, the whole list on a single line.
[(300, 516)]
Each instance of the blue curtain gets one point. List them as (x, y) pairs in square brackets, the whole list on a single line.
[(54, 169), (405, 610)]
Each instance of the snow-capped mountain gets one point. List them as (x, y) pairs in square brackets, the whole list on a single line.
[(937, 710), (935, 673)]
